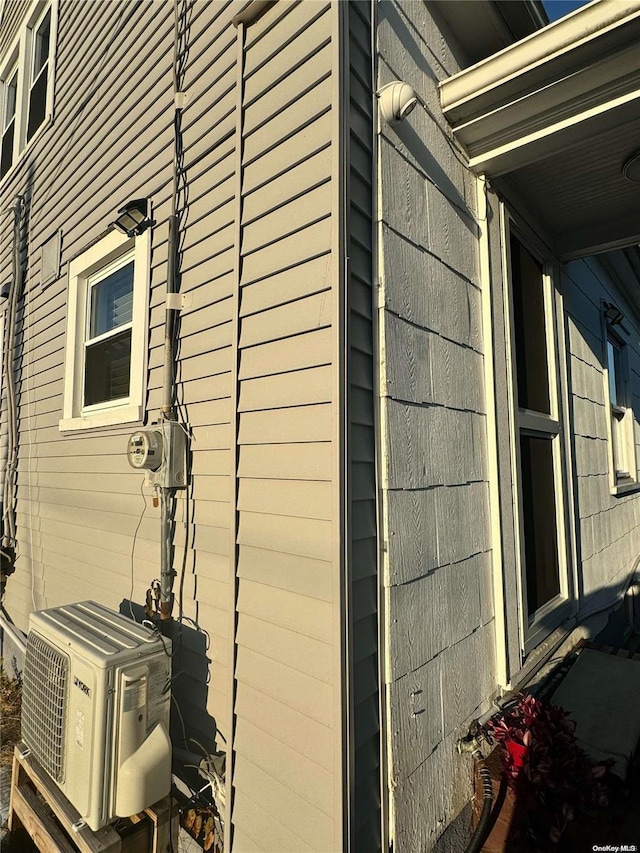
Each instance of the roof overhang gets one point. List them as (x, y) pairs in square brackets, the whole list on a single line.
[(483, 28), (569, 90)]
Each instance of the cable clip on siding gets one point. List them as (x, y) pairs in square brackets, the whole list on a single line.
[(178, 301)]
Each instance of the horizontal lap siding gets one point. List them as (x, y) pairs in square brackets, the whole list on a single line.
[(10, 21), (438, 567), (79, 503), (83, 526), (367, 819), (284, 702)]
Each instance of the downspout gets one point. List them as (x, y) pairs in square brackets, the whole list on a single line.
[(377, 306), (168, 411)]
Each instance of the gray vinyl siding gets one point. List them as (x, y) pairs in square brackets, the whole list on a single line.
[(606, 524), (284, 672), (367, 817), (440, 656)]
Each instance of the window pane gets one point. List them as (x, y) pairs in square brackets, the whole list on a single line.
[(6, 158), (10, 100), (611, 367), (37, 104), (41, 45), (108, 369), (529, 330), (614, 368), (539, 521), (112, 301)]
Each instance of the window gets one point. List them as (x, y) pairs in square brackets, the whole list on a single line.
[(107, 355), (622, 457), (26, 81), (107, 333), (539, 482), (39, 78), (10, 89)]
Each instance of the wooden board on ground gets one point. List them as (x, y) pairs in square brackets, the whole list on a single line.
[(38, 807)]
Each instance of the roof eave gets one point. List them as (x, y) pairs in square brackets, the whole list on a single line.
[(533, 98)]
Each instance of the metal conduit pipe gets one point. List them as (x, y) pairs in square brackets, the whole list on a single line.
[(168, 413), (8, 492), (167, 496), (12, 632)]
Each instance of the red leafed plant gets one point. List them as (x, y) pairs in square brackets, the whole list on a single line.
[(552, 776)]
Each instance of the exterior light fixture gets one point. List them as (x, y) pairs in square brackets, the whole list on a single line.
[(612, 314), (134, 217), (397, 100), (631, 168)]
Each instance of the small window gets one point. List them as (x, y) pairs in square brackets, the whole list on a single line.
[(108, 344), (10, 91), (622, 456), (26, 80), (107, 330), (41, 44), (529, 322)]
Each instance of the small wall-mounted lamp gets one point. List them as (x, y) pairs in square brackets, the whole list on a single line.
[(613, 315), (397, 100), (134, 217)]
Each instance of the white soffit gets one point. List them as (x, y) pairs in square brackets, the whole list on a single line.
[(576, 77)]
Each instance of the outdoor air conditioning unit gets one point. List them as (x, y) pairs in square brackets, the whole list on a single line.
[(95, 709)]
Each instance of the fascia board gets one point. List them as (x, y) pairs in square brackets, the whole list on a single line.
[(612, 77), (558, 50), (504, 152)]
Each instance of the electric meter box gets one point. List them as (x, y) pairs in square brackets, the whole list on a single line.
[(162, 452), (145, 450), (174, 467)]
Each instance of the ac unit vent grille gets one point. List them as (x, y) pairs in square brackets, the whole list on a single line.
[(44, 704)]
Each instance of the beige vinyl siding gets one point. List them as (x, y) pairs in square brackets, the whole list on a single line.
[(439, 625), (10, 20), (367, 815), (257, 533), (79, 502), (284, 700)]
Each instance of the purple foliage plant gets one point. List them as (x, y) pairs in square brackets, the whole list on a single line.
[(552, 777)]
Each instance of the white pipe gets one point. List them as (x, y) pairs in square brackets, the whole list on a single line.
[(12, 632)]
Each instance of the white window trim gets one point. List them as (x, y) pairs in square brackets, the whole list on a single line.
[(20, 53), (554, 612), (130, 409), (618, 486)]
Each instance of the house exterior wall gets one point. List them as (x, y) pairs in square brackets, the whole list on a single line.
[(257, 540), (606, 523), (437, 576), (287, 661), (361, 403)]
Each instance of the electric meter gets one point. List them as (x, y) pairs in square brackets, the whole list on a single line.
[(144, 450)]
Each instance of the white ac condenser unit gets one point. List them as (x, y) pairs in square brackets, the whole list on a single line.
[(95, 709)]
